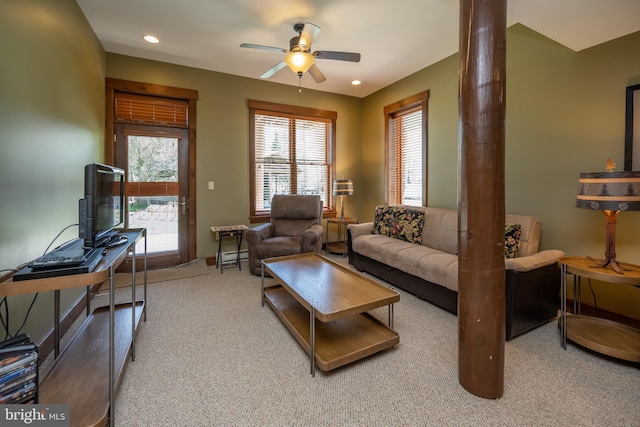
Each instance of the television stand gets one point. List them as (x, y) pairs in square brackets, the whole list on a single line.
[(85, 374), (117, 240)]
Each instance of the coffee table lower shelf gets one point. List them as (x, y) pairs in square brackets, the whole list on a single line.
[(338, 342)]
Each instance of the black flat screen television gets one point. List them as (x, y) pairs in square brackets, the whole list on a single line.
[(101, 211)]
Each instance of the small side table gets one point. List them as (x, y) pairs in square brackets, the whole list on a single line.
[(339, 247), (597, 334), (236, 231)]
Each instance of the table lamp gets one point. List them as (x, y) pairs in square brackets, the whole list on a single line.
[(610, 192), (342, 187)]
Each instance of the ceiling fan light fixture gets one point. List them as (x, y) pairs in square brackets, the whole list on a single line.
[(299, 62)]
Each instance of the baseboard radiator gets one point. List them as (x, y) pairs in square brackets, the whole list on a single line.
[(231, 256)]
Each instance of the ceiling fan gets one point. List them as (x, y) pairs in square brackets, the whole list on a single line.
[(299, 56)]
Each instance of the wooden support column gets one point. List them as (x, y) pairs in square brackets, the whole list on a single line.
[(481, 205)]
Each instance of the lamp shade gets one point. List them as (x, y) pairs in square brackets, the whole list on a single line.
[(299, 62), (343, 187), (615, 191)]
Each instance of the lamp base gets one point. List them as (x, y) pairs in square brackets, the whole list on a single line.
[(610, 252), (608, 261)]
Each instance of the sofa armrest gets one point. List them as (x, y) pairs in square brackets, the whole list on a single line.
[(531, 262), (353, 231), (259, 233), (356, 230), (312, 239)]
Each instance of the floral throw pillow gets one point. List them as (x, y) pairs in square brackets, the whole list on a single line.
[(512, 234), (407, 225), (382, 220), (399, 222)]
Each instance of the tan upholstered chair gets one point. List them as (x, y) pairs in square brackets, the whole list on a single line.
[(295, 227)]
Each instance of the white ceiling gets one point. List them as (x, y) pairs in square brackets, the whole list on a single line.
[(395, 38)]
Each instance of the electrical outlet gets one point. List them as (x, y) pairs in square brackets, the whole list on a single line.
[(211, 185)]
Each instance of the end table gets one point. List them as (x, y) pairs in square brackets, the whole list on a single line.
[(601, 335), (339, 247), (229, 231)]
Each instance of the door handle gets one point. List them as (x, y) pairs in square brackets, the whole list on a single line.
[(184, 205)]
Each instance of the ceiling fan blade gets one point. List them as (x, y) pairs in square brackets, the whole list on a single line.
[(317, 74), (308, 35), (273, 70), (259, 46), (339, 56)]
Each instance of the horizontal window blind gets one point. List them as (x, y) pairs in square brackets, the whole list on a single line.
[(272, 159), (292, 154), (405, 153), (132, 108), (407, 130)]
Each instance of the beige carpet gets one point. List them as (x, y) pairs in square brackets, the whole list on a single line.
[(210, 355), (194, 268)]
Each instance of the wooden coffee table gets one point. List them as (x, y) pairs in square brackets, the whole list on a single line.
[(310, 286)]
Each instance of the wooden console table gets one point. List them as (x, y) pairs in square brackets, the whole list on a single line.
[(601, 335), (78, 377)]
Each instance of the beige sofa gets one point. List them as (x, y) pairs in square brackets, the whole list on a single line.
[(429, 268)]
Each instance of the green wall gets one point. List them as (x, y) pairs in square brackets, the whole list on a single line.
[(51, 124)]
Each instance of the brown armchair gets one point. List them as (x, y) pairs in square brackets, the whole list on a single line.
[(295, 227)]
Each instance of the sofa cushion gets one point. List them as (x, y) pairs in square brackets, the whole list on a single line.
[(372, 246), (512, 234), (441, 230)]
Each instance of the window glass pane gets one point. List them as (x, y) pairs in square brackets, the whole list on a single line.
[(311, 142), (271, 139), (153, 159), (411, 144), (159, 215), (271, 179), (312, 179), (405, 157), (276, 139), (272, 170)]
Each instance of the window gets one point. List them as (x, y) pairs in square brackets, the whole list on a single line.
[(406, 151), (291, 152)]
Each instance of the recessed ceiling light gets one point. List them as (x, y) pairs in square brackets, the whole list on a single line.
[(356, 82), (151, 39)]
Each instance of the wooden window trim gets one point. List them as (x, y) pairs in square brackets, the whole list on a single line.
[(414, 102), (290, 111), (191, 96)]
